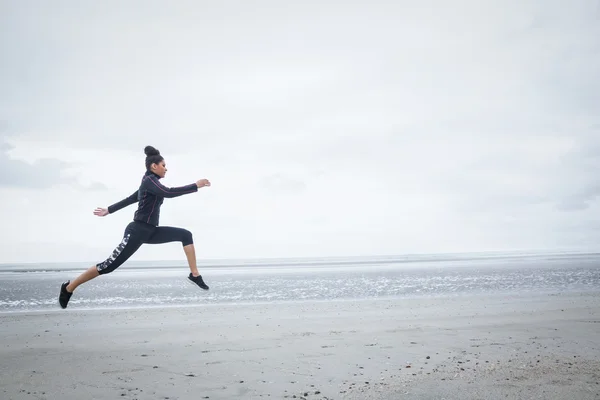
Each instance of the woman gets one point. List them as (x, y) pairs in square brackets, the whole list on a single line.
[(144, 227)]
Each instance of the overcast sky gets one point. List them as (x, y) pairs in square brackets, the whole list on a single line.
[(326, 128)]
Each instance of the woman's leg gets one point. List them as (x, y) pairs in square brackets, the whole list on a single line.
[(190, 254), (120, 254), (88, 275), (167, 234), (131, 242)]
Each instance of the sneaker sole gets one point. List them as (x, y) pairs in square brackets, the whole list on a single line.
[(194, 285)]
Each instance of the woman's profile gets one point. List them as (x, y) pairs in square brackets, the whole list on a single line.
[(145, 225)]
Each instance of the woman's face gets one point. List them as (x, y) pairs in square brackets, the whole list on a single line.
[(159, 169)]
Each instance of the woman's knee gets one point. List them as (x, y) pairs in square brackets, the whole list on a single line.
[(106, 267), (187, 237), (119, 255)]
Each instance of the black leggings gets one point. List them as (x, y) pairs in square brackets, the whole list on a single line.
[(138, 233)]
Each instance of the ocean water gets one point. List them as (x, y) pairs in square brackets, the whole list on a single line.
[(35, 287)]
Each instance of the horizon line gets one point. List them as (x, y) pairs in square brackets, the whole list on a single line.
[(374, 255)]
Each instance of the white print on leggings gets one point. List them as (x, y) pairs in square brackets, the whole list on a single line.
[(114, 254)]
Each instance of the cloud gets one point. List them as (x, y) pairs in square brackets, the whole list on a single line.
[(42, 173), (281, 183), (581, 185), (575, 203)]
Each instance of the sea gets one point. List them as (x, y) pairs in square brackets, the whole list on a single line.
[(144, 284)]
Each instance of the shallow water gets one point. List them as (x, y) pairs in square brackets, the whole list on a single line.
[(35, 287)]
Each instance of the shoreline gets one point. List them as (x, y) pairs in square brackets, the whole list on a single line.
[(398, 260), (394, 298)]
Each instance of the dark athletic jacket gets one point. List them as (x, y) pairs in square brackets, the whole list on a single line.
[(149, 197)]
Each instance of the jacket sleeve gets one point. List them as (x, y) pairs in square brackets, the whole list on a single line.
[(155, 187), (123, 203)]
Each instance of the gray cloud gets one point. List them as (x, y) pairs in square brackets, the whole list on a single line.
[(43, 173), (574, 203), (282, 183), (561, 175), (580, 171)]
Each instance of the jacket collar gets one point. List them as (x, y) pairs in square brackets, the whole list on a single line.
[(148, 173)]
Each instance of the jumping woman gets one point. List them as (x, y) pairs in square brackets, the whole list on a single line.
[(144, 227)]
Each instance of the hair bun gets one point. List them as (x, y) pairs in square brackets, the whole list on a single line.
[(151, 151)]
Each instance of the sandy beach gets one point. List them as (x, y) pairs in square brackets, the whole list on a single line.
[(544, 346)]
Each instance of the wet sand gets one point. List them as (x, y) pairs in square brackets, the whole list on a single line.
[(528, 346)]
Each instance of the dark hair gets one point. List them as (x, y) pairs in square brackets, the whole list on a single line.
[(152, 156)]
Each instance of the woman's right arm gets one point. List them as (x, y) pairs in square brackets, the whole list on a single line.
[(155, 187)]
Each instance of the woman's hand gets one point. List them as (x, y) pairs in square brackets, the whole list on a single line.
[(101, 212), (202, 183)]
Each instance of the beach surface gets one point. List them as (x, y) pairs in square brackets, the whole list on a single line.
[(500, 346)]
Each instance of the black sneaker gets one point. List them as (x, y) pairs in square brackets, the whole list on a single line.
[(197, 280), (65, 296)]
